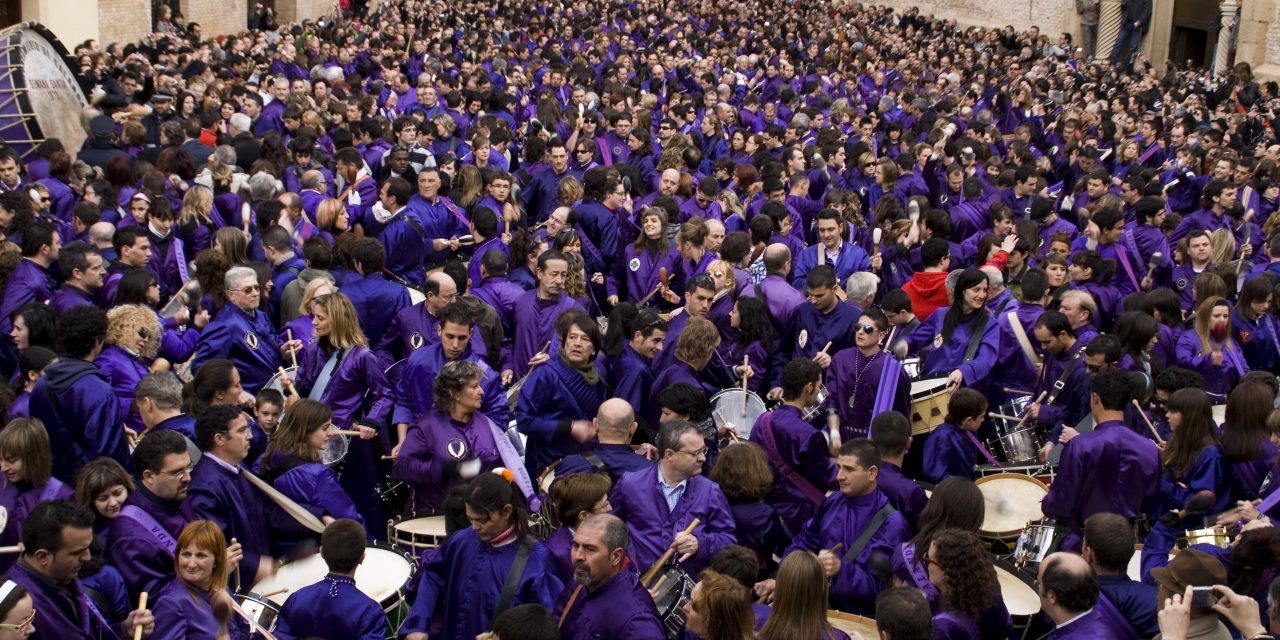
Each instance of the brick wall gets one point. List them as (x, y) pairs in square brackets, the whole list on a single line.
[(217, 16), (1051, 15), (123, 20), (288, 11)]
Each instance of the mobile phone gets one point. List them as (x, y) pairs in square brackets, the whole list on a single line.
[(1203, 597)]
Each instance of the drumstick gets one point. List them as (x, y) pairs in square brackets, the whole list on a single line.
[(653, 571), (1155, 262), (1001, 416), (1147, 420), (515, 388), (286, 382), (875, 241), (346, 432), (1025, 413), (17, 548), (275, 593), (734, 433), (746, 362), (662, 282), (142, 605), (293, 353), (388, 457), (297, 511), (569, 605), (828, 346), (1018, 391), (835, 549)]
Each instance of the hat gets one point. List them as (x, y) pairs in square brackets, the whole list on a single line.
[(160, 95), (102, 126), (1190, 568)]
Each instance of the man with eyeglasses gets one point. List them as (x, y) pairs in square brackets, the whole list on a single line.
[(55, 539), (144, 535), (316, 186), (1064, 404), (659, 503), (242, 333)]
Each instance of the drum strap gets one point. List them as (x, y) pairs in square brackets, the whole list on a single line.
[(1269, 502), (1021, 334), (594, 459), (1061, 382), (864, 538), (770, 447), (513, 579), (975, 339)]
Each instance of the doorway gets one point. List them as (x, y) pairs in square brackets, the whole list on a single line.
[(1190, 47)]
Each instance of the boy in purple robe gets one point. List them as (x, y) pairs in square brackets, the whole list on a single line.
[(1110, 469), (335, 607), (608, 600), (56, 540), (145, 534), (891, 433), (953, 449), (660, 503), (857, 574), (797, 453)]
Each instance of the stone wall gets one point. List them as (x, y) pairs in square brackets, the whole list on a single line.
[(217, 16), (288, 11), (1051, 15), (123, 20)]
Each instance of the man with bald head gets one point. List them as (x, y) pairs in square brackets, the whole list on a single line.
[(100, 235), (667, 185), (418, 326), (779, 296), (615, 423), (1068, 594), (607, 601)]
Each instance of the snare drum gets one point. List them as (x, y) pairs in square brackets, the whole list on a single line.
[(810, 412), (727, 407), (1019, 446), (1219, 414), (671, 589), (1216, 536), (929, 400), (912, 367), (274, 381), (416, 532), (382, 576), (1037, 541), (853, 624), (1019, 593), (1014, 407), (1011, 500), (263, 610)]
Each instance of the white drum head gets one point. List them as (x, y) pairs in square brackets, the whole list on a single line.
[(1011, 501), (1019, 597), (382, 573), (727, 407), (429, 526)]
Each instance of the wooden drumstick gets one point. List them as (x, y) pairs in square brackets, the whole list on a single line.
[(17, 548), (388, 457), (142, 605), (1147, 420), (732, 432), (836, 549), (293, 353), (875, 241), (1025, 413), (653, 571), (275, 593), (347, 432), (662, 282), (513, 392), (286, 382), (746, 362), (1001, 416)]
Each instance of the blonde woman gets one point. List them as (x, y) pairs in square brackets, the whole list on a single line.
[(1210, 350), (133, 340), (332, 219), (302, 327), (195, 221)]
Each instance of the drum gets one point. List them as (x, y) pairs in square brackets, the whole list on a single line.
[(1216, 536), (1013, 407), (1134, 569), (1219, 414), (912, 367), (395, 496), (40, 96), (1019, 446), (810, 412), (1011, 501), (416, 532), (929, 400), (727, 408), (335, 448), (1037, 541), (382, 576), (1019, 593), (853, 624), (671, 589)]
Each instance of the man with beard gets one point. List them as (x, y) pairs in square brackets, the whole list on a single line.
[(608, 601)]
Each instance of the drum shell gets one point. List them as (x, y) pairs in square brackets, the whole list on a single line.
[(671, 588), (929, 399), (1001, 498), (414, 539), (1216, 536), (727, 408), (40, 95), (1019, 446), (263, 610)]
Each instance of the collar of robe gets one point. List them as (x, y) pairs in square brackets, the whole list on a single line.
[(589, 373), (164, 502), (506, 537)]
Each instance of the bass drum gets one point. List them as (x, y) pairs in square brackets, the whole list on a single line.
[(40, 96)]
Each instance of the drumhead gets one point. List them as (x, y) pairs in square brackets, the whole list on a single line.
[(335, 449), (727, 408), (274, 381), (1135, 564), (383, 573), (1011, 501), (851, 624), (1020, 598), (1219, 414), (429, 526), (40, 97), (416, 295), (927, 387)]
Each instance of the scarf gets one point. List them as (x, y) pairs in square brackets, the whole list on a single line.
[(589, 373)]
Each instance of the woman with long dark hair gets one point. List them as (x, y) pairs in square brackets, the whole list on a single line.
[(799, 608), (640, 269), (31, 365), (962, 571), (1253, 327), (463, 581), (293, 462), (1246, 442), (1138, 332), (945, 340), (750, 334), (1090, 272), (217, 382)]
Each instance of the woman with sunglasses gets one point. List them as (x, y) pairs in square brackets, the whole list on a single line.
[(133, 340)]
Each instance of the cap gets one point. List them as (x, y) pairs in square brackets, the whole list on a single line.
[(161, 95), (1190, 568), (102, 126)]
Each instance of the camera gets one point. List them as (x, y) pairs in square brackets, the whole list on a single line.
[(1203, 597)]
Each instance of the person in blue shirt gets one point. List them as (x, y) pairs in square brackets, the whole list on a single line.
[(1109, 544)]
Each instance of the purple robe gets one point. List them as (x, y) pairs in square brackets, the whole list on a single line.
[(638, 500), (182, 614), (551, 399), (948, 451), (855, 384), (413, 392), (29, 282), (501, 294), (560, 545), (802, 448), (810, 330), (227, 498), (1218, 379), (315, 487), (850, 260), (20, 500), (246, 339), (638, 272), (1110, 469), (946, 356), (138, 553), (841, 519), (68, 297), (125, 371), (1090, 626), (618, 459), (62, 612), (781, 298), (618, 608), (412, 329), (377, 302), (432, 448), (535, 327), (903, 493), (85, 421), (462, 584), (331, 608)]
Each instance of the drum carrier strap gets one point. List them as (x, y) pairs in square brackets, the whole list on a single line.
[(594, 459), (513, 579), (975, 338), (770, 447), (1061, 382), (864, 538)]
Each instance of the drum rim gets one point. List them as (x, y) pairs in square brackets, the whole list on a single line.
[(395, 524), (1007, 475), (19, 77)]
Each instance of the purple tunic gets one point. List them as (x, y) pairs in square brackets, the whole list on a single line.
[(228, 499), (854, 381), (62, 612), (29, 282), (139, 554), (182, 614), (781, 298), (20, 500), (949, 452), (501, 294), (68, 297), (535, 327), (903, 493), (430, 453), (413, 392), (946, 356), (804, 449), (85, 422), (1218, 379), (331, 608), (357, 388), (638, 272), (638, 500), (414, 328), (125, 371), (619, 608), (1110, 469), (553, 397), (246, 339)]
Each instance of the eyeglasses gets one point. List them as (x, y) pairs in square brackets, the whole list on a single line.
[(21, 626), (700, 453), (249, 289), (178, 474), (868, 328), (929, 561)]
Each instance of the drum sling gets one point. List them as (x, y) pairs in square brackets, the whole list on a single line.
[(513, 579), (864, 538), (770, 447)]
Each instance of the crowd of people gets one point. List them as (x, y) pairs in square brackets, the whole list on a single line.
[(687, 322)]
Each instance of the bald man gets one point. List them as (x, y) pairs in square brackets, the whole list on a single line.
[(668, 183), (1068, 596), (616, 423), (418, 326), (607, 600), (778, 294), (100, 234)]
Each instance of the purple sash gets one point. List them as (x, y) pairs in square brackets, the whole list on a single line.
[(1151, 151), (149, 523), (181, 257), (1115, 619), (511, 460), (887, 390), (1233, 357), (770, 447), (1269, 502), (604, 152), (1124, 262), (919, 573)]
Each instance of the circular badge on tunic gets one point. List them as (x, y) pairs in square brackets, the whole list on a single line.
[(617, 151), (634, 265), (1181, 284), (937, 341), (416, 340), (803, 338), (457, 448), (251, 339)]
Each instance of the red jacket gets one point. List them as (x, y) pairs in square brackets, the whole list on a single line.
[(928, 291)]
